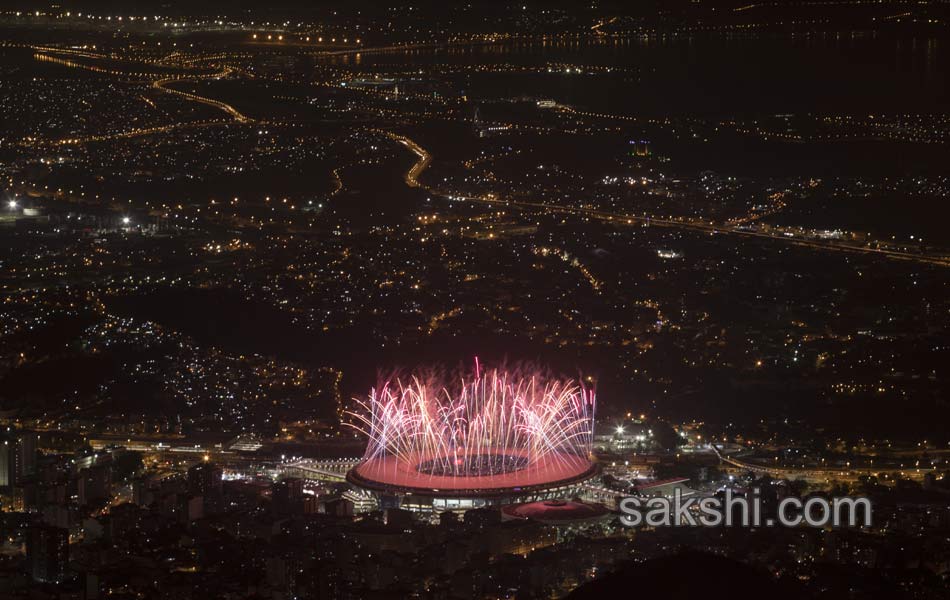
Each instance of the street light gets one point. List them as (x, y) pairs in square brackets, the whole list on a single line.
[(126, 220)]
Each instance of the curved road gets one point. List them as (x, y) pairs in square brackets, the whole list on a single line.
[(425, 159), (826, 474)]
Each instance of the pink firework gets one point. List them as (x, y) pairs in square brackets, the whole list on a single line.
[(483, 429)]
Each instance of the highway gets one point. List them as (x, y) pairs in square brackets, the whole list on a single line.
[(815, 474), (45, 54), (238, 116), (424, 160)]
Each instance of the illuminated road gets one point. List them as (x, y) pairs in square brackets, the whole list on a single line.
[(488, 41), (132, 133), (424, 159), (44, 54), (851, 474), (235, 113)]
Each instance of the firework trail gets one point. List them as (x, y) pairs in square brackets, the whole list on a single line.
[(478, 424)]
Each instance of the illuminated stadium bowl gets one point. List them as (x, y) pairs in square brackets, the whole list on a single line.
[(494, 437)]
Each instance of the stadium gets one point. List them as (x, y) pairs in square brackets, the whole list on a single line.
[(475, 439)]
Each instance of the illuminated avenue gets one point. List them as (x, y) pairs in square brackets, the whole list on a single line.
[(424, 158)]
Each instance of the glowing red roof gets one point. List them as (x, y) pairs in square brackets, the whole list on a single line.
[(555, 511), (395, 475)]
